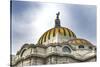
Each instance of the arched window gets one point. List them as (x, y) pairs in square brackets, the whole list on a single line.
[(81, 46), (66, 49)]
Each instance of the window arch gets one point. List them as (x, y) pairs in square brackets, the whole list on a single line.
[(22, 52), (66, 49)]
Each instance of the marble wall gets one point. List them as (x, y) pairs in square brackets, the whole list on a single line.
[(41, 55)]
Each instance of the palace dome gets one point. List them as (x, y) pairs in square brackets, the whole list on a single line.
[(57, 34)]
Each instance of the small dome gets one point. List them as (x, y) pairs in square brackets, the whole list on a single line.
[(79, 41), (56, 35)]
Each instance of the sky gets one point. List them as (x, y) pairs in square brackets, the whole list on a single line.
[(31, 19)]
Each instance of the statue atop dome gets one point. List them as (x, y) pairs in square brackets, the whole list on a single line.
[(58, 15), (57, 21)]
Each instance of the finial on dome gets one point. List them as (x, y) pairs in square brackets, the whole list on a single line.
[(57, 21)]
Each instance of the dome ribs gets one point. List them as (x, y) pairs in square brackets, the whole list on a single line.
[(45, 37), (49, 34), (54, 32), (64, 32), (69, 32)]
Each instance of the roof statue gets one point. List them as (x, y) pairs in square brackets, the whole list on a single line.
[(58, 15), (57, 21)]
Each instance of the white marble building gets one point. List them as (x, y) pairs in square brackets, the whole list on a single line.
[(59, 45)]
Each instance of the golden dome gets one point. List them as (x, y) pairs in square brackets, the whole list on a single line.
[(57, 34), (79, 41)]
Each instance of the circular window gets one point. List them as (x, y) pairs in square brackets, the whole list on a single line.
[(66, 49)]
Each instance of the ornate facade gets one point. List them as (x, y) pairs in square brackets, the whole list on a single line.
[(59, 45)]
